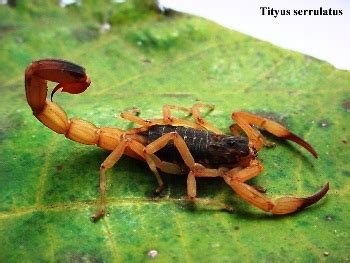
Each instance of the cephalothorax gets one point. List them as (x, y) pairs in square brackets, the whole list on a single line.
[(171, 145)]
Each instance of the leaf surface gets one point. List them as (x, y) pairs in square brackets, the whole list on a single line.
[(49, 185)]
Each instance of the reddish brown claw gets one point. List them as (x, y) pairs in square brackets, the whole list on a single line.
[(301, 142), (314, 198)]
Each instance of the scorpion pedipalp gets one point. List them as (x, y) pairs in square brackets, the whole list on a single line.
[(245, 121)]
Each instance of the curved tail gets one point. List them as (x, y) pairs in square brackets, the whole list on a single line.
[(73, 79)]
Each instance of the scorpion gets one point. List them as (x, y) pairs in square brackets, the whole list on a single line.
[(168, 144)]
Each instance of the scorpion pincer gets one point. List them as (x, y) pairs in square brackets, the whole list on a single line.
[(171, 145)]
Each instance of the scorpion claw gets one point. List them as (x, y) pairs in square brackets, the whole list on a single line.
[(287, 205), (301, 142), (315, 198)]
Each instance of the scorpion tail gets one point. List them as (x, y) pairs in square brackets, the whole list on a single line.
[(71, 78)]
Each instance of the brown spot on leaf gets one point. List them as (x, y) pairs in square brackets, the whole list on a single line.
[(146, 61), (345, 141), (59, 167), (346, 105)]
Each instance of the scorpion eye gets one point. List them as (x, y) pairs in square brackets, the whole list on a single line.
[(231, 142)]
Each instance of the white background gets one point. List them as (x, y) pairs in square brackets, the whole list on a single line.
[(323, 37)]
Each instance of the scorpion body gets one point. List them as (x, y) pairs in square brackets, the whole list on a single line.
[(168, 144), (207, 148)]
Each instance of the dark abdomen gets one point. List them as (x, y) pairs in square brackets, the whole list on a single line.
[(196, 141)]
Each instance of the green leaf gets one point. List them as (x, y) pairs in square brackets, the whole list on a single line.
[(49, 185)]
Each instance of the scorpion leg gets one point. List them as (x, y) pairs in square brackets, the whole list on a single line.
[(110, 161), (246, 120), (153, 162), (196, 169), (196, 115), (283, 205), (125, 144), (131, 116), (168, 119), (235, 130), (185, 153), (194, 111)]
